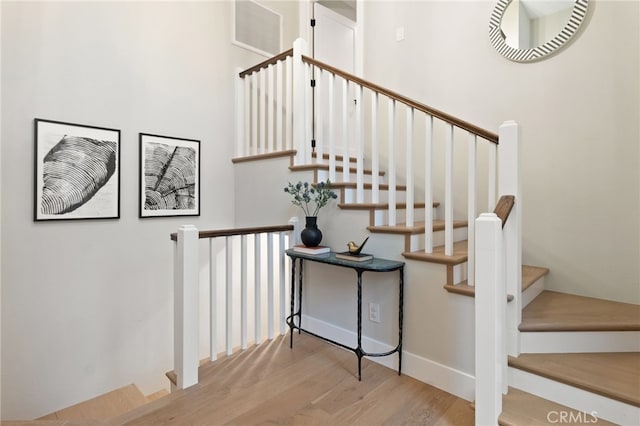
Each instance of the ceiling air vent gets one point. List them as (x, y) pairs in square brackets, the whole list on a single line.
[(257, 28)]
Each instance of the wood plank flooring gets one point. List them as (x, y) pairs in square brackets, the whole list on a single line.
[(315, 383), (553, 311)]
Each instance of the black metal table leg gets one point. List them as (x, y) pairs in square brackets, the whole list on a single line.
[(300, 299), (292, 300), (359, 351), (400, 315)]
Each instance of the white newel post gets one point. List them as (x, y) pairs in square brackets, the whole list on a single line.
[(299, 102), (186, 285), (490, 304), (509, 183)]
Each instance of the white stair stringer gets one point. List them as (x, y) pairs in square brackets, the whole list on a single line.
[(579, 341), (588, 402)]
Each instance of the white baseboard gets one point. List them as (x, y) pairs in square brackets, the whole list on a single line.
[(578, 399), (449, 379), (584, 341)]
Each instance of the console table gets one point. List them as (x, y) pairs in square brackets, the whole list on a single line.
[(373, 265)]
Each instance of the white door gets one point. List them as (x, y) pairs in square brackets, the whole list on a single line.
[(334, 44)]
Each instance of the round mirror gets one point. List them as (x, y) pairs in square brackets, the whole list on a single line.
[(527, 30)]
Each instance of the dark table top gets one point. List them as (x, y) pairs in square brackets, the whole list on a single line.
[(376, 264)]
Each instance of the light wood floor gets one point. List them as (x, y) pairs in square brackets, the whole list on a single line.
[(315, 383)]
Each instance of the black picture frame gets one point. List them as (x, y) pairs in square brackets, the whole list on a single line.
[(76, 171), (169, 178)]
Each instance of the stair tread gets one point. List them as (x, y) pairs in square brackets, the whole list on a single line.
[(554, 311), (381, 186), (379, 206), (530, 274), (305, 167), (437, 256), (104, 406), (418, 228), (522, 408), (615, 375)]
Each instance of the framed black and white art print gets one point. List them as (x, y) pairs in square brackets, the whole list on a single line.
[(77, 171), (169, 176)]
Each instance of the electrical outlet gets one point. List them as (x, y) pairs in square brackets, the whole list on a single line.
[(374, 312)]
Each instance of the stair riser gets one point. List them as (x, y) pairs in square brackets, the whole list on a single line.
[(578, 342), (417, 241), (323, 175), (383, 196), (532, 292), (578, 399)]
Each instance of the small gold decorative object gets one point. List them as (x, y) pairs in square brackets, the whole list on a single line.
[(354, 248)]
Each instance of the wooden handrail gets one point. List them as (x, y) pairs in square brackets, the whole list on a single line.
[(486, 134), (504, 207), (239, 231), (265, 64)]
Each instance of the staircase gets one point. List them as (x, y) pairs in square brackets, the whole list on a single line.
[(100, 408), (547, 332)]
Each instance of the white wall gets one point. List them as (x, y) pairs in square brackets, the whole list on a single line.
[(87, 306), (579, 114)]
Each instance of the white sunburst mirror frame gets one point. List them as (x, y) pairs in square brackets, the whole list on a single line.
[(498, 40)]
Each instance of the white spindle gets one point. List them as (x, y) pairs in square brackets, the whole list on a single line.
[(471, 207), (288, 128), (320, 109), (239, 116), (186, 287), (345, 131), (279, 106), (229, 295), (270, 109), (392, 163), (213, 301), (308, 115), (243, 292), (428, 185), (254, 113), (448, 193), (375, 155), (360, 145), (409, 164), (247, 115), (332, 127), (258, 287), (493, 171), (262, 110), (270, 287), (299, 101), (490, 306)]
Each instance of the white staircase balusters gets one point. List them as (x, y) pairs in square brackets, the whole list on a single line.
[(257, 254), (492, 185), (279, 105), (213, 300), (472, 209), (243, 293), (299, 101), (391, 151), (344, 134), (359, 135), (428, 184), (320, 114), (409, 169), (254, 114), (229, 295), (271, 119), (305, 144), (332, 126), (249, 288), (448, 192), (262, 99), (289, 104), (375, 153)]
